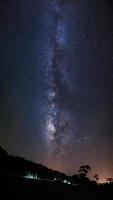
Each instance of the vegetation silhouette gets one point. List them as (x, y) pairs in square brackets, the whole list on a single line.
[(20, 167), (24, 179), (96, 177), (84, 170)]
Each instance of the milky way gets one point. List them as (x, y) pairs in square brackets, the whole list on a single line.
[(56, 82), (57, 119)]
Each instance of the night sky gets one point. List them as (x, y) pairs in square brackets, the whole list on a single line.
[(56, 82)]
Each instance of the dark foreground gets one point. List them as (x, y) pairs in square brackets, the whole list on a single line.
[(22, 189)]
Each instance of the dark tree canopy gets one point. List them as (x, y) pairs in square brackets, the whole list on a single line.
[(84, 170)]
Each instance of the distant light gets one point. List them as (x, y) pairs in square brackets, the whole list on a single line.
[(66, 182), (102, 181), (28, 176), (31, 176)]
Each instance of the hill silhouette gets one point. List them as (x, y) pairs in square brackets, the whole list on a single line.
[(24, 179), (19, 167)]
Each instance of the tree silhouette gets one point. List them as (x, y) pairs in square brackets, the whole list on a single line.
[(75, 179), (96, 177), (109, 180), (84, 170)]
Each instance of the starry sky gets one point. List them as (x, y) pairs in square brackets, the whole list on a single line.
[(56, 82)]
